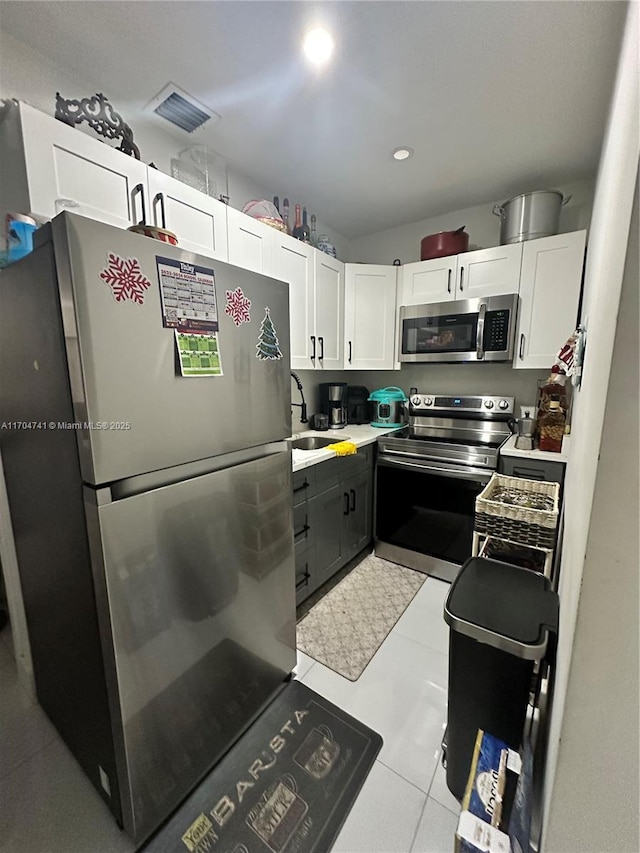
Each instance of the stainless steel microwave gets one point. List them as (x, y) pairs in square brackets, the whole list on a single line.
[(480, 330)]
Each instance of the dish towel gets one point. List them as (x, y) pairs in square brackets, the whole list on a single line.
[(343, 448)]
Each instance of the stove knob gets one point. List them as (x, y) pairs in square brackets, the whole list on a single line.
[(428, 401), (488, 404), (503, 405), (416, 400)]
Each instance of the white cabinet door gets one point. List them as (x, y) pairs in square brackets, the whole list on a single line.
[(549, 295), (249, 242), (370, 317), (489, 272), (198, 221), (425, 282), (67, 169), (329, 311), (293, 263)]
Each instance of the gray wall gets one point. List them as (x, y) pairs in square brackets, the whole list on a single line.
[(596, 793), (481, 225), (498, 379)]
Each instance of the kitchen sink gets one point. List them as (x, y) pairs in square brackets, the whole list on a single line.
[(315, 442)]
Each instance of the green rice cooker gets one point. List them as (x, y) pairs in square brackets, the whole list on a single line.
[(388, 407)]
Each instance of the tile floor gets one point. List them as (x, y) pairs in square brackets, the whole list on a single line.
[(48, 806)]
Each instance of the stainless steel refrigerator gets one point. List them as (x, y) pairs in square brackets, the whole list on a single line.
[(151, 510)]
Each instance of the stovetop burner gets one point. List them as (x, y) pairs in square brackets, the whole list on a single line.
[(461, 430)]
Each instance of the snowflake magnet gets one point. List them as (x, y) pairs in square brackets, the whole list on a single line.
[(238, 306), (125, 278), (268, 348)]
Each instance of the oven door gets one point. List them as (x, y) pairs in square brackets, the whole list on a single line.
[(424, 513)]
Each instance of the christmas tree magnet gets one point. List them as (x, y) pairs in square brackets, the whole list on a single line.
[(268, 344)]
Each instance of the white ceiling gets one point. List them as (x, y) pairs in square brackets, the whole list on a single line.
[(496, 98)]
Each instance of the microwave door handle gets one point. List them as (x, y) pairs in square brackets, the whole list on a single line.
[(480, 331)]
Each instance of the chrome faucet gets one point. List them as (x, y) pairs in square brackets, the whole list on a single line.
[(303, 405)]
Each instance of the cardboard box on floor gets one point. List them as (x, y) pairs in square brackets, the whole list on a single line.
[(496, 807)]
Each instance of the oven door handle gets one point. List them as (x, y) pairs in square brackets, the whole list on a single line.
[(480, 331), (457, 472)]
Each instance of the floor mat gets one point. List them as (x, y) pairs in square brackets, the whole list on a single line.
[(287, 785), (346, 628)]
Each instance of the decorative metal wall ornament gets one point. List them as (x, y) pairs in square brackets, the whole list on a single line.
[(100, 116)]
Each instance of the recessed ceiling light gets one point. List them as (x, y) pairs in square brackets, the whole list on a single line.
[(318, 46), (402, 153)]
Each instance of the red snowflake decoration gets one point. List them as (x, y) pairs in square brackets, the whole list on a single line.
[(238, 306), (125, 278)]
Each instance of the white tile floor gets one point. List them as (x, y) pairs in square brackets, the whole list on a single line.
[(48, 806)]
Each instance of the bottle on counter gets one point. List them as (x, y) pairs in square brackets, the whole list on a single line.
[(276, 203), (297, 227), (555, 385), (314, 236), (551, 427)]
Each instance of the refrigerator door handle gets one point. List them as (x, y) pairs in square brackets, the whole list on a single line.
[(168, 476)]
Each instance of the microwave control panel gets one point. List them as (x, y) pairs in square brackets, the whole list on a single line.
[(496, 331)]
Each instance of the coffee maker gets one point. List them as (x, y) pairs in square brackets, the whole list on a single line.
[(526, 427), (333, 402)]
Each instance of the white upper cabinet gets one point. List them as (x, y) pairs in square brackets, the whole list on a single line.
[(329, 311), (488, 272), (47, 166), (370, 317), (198, 221), (549, 295), (485, 272), (293, 263), (250, 242), (425, 282)]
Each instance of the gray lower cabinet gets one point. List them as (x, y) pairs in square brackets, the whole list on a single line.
[(325, 517), (357, 525), (332, 512)]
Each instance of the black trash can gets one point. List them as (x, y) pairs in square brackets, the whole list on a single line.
[(502, 619)]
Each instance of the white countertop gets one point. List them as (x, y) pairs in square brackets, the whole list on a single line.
[(509, 449), (359, 434)]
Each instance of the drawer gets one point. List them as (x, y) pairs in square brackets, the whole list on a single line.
[(342, 468), (300, 524), (303, 483), (303, 574), (532, 469)]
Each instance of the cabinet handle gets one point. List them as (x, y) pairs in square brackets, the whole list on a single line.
[(139, 188), (521, 351), (352, 508), (302, 531), (160, 199), (305, 577), (301, 488), (461, 274), (349, 352), (449, 282), (321, 339), (313, 341), (346, 503)]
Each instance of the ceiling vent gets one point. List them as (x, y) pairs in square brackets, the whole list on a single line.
[(181, 109)]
